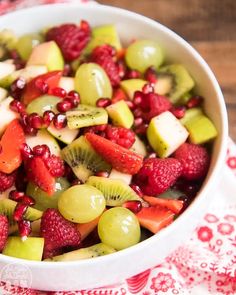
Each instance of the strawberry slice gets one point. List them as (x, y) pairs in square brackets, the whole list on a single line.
[(34, 89), (155, 218), (4, 226), (119, 157), (38, 173), (173, 205), (10, 155)]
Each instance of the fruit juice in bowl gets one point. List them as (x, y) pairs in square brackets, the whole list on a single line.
[(108, 146)]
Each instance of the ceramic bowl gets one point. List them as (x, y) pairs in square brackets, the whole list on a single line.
[(116, 267)]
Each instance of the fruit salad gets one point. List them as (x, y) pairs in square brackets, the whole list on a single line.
[(102, 144)]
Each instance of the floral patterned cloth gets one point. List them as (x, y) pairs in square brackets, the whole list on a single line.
[(204, 265)]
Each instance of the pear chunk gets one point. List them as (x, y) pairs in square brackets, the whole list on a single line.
[(132, 85), (120, 114)]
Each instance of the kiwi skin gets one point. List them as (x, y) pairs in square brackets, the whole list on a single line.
[(115, 191)]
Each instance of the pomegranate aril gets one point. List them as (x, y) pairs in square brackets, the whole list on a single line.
[(152, 155), (141, 129), (24, 228), (59, 121), (121, 69), (19, 211), (48, 117), (148, 88), (138, 121), (26, 151), (150, 75), (130, 104), (138, 113), (35, 121), (103, 102), (137, 189), (16, 196), (30, 130), (134, 206), (67, 71), (102, 174), (133, 74), (178, 112), (76, 182), (194, 101), (17, 106), (138, 97), (74, 94), (58, 91), (64, 106), (17, 88), (27, 200), (41, 85), (42, 151)]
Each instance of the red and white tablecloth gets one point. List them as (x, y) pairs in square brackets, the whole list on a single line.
[(206, 264)]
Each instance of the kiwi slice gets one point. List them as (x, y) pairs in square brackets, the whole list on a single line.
[(176, 81), (7, 208), (84, 253), (84, 116), (115, 191), (83, 159)]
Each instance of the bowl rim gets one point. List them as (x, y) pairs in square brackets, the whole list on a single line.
[(222, 149)]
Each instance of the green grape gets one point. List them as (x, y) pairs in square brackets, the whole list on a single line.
[(81, 203), (119, 228), (42, 104), (92, 83), (142, 54), (42, 199), (26, 43)]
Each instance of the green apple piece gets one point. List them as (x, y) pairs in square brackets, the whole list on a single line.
[(92, 83), (165, 134), (120, 114), (6, 69), (6, 114), (120, 176), (65, 135), (42, 200), (44, 137), (67, 83), (43, 103), (201, 129), (30, 249), (191, 114), (3, 93), (139, 147), (106, 34), (132, 85), (48, 54)]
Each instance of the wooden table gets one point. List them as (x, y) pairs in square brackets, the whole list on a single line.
[(210, 26)]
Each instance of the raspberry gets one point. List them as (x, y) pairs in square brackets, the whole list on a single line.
[(6, 181), (55, 166), (71, 38), (103, 55), (3, 231), (157, 175), (194, 159), (58, 233)]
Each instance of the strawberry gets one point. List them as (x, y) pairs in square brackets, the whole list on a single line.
[(38, 173), (173, 205), (40, 85), (154, 218), (157, 175), (195, 160), (4, 226), (59, 233), (119, 157)]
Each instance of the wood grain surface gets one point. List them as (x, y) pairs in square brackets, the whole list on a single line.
[(210, 26)]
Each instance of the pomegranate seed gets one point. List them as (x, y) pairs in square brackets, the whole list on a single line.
[(74, 98), (138, 97), (147, 88), (27, 200), (133, 74), (150, 75), (64, 106), (16, 196), (152, 155), (138, 113), (48, 117), (121, 69), (19, 211), (30, 130), (24, 228), (59, 121), (41, 85), (74, 94), (76, 182), (42, 151), (67, 71), (138, 121), (35, 121), (141, 129), (103, 102), (137, 189), (58, 91), (14, 54), (17, 106), (17, 88), (194, 101), (74, 102), (178, 112), (19, 64), (102, 174), (134, 206), (26, 151), (130, 104)]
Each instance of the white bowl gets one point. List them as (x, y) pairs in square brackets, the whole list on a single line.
[(116, 267)]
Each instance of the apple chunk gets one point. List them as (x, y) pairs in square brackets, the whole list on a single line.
[(48, 54), (165, 134)]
